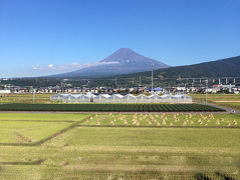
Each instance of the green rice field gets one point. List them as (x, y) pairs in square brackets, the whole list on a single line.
[(90, 146)]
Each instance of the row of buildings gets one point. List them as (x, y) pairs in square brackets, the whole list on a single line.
[(212, 89), (57, 89)]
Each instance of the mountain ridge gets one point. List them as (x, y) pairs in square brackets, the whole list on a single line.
[(169, 77), (226, 67)]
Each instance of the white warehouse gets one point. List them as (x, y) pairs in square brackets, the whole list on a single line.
[(119, 98)]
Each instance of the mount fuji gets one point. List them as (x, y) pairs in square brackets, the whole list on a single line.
[(123, 61)]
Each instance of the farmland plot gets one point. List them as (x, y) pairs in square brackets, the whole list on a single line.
[(114, 107), (225, 100), (165, 120), (31, 128), (28, 132), (143, 152), (128, 153), (25, 98)]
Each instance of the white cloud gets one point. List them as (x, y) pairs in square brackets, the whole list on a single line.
[(35, 67), (74, 64), (50, 66), (54, 69)]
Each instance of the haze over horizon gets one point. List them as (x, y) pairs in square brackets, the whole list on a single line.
[(39, 37)]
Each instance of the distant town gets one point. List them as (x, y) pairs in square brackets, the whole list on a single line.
[(187, 85)]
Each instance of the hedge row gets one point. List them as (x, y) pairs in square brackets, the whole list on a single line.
[(110, 107)]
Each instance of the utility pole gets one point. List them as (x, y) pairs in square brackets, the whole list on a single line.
[(116, 83), (152, 75), (33, 98), (206, 92), (62, 87)]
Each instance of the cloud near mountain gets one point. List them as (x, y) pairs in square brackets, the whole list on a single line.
[(51, 68)]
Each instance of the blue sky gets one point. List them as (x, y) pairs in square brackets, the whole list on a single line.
[(39, 37)]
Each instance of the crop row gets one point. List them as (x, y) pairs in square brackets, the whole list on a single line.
[(110, 107)]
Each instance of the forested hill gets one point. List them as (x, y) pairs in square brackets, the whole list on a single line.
[(229, 67)]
